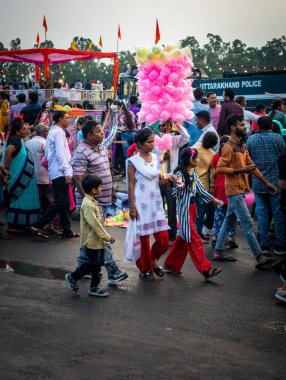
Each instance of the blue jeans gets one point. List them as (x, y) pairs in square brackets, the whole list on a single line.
[(264, 204), (109, 262), (237, 209), (129, 138), (219, 216), (92, 264)]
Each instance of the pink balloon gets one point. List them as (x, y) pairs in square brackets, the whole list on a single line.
[(249, 199)]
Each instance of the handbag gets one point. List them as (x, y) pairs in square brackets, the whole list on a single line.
[(132, 247)]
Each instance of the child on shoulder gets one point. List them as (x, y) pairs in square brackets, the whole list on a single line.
[(187, 185), (93, 236)]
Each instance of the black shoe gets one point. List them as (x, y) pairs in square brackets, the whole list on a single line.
[(280, 250), (265, 249), (263, 260)]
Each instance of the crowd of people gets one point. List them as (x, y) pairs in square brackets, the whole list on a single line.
[(90, 85), (188, 195)]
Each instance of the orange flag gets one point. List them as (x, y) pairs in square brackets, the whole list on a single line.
[(45, 24), (158, 36), (38, 40), (100, 42), (119, 33)]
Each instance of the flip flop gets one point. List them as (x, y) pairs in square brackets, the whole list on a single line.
[(213, 272), (224, 258), (38, 232), (70, 235)]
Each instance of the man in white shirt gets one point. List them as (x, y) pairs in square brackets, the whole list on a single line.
[(204, 123), (60, 172), (37, 146), (247, 115)]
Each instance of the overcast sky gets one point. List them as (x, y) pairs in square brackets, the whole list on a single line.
[(253, 21)]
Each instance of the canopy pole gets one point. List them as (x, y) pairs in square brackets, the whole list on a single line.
[(37, 74), (115, 72), (47, 73)]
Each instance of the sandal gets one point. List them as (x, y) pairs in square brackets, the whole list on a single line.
[(38, 232), (211, 273), (224, 258), (147, 276), (70, 235), (170, 270), (159, 271), (231, 244)]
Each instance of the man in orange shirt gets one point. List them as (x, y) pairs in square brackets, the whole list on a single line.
[(236, 164)]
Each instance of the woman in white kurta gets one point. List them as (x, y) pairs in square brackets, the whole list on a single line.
[(146, 205)]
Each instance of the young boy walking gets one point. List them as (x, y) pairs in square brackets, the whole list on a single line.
[(92, 238)]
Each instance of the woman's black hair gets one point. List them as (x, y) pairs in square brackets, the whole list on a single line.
[(222, 141), (90, 182), (186, 155), (16, 125), (108, 103), (274, 106), (143, 136), (129, 121), (81, 120)]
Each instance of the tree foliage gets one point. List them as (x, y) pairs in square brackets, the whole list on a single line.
[(215, 56)]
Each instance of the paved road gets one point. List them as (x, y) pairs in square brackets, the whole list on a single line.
[(174, 328)]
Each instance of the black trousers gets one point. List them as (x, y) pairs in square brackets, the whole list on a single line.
[(46, 196), (91, 266), (166, 193), (60, 205)]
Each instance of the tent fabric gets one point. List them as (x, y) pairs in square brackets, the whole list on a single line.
[(55, 56), (47, 56)]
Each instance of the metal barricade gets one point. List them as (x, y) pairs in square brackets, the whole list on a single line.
[(95, 97)]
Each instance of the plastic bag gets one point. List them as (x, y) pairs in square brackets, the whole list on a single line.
[(132, 247)]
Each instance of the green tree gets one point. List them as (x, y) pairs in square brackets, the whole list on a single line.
[(126, 59), (197, 53), (15, 44)]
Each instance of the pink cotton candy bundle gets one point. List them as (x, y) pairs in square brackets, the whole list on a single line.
[(163, 143), (164, 91)]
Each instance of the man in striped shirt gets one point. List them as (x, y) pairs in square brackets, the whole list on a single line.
[(90, 158)]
